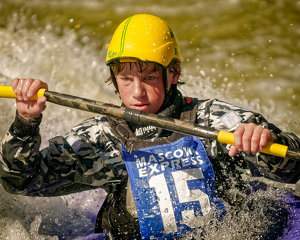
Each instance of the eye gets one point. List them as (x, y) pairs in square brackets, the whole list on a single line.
[(125, 79), (150, 77)]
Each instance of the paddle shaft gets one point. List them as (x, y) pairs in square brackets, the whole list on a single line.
[(172, 124), (136, 116)]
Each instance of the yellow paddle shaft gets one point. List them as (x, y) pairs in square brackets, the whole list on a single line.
[(7, 92), (274, 149)]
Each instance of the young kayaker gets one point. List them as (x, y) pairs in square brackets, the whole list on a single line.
[(159, 183)]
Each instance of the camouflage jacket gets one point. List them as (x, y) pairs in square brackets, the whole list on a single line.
[(89, 155)]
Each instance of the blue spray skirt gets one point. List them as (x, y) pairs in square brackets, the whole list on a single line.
[(292, 231), (85, 205)]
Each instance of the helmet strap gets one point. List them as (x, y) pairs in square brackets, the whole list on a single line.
[(113, 78), (168, 92), (165, 79)]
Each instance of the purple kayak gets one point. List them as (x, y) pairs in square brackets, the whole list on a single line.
[(292, 231)]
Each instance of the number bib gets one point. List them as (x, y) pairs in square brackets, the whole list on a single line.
[(173, 186)]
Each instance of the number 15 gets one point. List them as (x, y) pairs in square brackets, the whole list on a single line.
[(158, 182)]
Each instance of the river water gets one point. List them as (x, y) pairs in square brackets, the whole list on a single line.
[(245, 52)]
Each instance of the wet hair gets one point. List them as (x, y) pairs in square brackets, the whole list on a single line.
[(117, 67)]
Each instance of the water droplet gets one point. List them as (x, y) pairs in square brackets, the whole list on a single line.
[(290, 91)]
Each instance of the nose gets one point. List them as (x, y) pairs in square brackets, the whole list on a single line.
[(138, 89)]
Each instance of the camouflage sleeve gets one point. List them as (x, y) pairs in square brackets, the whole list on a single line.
[(85, 158), (19, 149), (223, 116)]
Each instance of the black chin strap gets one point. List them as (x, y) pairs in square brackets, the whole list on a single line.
[(168, 92), (113, 78), (165, 79)]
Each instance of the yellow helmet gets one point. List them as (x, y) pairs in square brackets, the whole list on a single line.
[(145, 37)]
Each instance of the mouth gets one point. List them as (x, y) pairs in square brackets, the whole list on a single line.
[(140, 106)]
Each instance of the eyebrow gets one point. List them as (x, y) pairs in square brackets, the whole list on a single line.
[(146, 71), (142, 66)]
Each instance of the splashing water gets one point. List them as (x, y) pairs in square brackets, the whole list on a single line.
[(61, 49)]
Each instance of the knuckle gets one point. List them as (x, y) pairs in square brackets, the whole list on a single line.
[(246, 137), (237, 133), (255, 139), (266, 131), (241, 126), (19, 89), (15, 80), (266, 134)]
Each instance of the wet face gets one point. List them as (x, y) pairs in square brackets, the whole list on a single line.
[(141, 86)]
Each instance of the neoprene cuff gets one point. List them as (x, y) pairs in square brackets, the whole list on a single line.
[(25, 128)]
